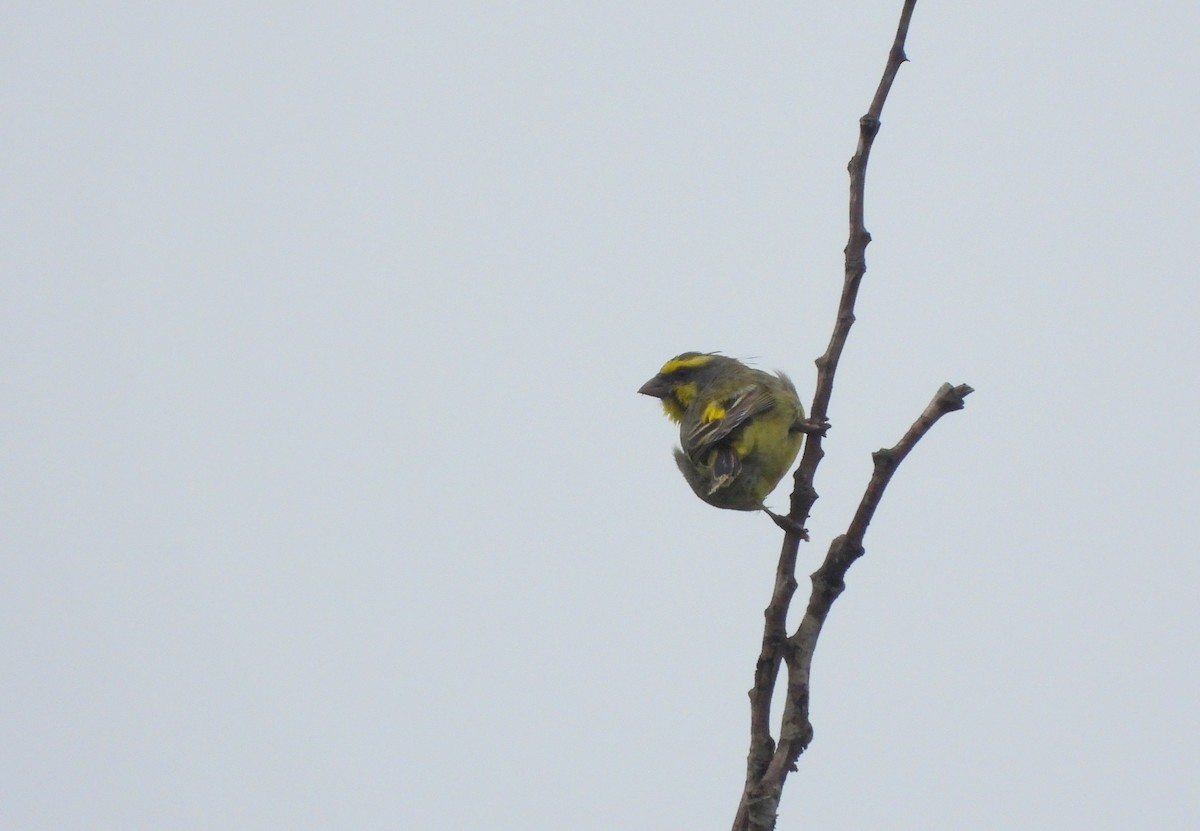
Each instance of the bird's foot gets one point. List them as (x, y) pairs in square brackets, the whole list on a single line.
[(788, 524), (811, 428)]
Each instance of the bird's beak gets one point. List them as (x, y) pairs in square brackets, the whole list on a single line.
[(655, 387)]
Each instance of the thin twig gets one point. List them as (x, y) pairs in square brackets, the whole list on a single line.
[(947, 400)]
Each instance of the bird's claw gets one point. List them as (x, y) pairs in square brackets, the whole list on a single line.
[(811, 428), (788, 524)]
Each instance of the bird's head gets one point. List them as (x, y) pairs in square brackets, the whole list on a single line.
[(680, 379)]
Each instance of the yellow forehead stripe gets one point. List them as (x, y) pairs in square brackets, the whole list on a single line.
[(690, 362)]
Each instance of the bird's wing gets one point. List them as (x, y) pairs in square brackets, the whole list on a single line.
[(720, 418)]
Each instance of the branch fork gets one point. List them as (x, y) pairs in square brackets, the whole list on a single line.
[(769, 761)]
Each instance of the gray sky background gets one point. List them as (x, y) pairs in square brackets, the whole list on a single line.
[(328, 499)]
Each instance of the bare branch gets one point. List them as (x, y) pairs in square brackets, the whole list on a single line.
[(764, 779), (828, 581), (947, 400), (804, 496), (760, 801)]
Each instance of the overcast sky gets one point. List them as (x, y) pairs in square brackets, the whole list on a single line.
[(328, 500)]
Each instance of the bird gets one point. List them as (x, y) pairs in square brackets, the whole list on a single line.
[(740, 429)]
